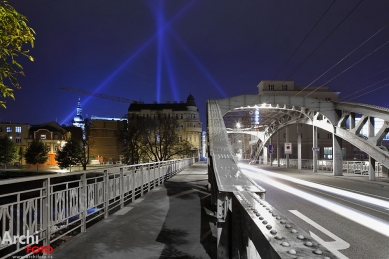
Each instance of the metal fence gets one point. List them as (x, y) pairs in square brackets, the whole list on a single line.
[(356, 167), (45, 211)]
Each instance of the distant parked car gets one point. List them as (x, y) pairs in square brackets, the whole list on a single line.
[(17, 164)]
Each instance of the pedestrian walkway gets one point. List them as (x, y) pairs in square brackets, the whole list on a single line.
[(171, 221)]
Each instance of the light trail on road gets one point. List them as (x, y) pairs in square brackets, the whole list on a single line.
[(363, 219), (378, 202)]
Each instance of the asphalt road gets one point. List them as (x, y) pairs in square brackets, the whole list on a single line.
[(350, 218)]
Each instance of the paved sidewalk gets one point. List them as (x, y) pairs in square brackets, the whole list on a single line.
[(168, 222)]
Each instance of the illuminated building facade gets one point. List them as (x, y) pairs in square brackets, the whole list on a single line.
[(186, 113), (18, 133), (106, 139)]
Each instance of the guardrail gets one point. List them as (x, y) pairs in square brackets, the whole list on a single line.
[(45, 211), (248, 226), (356, 167)]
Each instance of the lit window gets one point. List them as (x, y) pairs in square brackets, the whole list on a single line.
[(328, 153), (9, 129), (18, 129)]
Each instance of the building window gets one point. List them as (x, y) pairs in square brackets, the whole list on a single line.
[(43, 136), (55, 136), (328, 153), (9, 129), (180, 138), (329, 135), (176, 115), (56, 148), (18, 129), (344, 152), (271, 87), (182, 126), (284, 135), (182, 116), (284, 87), (18, 139), (328, 98)]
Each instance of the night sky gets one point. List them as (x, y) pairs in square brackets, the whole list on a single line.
[(165, 50)]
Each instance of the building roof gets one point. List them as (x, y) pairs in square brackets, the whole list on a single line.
[(51, 126), (182, 106)]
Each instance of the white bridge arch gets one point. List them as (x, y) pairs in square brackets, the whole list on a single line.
[(330, 116)]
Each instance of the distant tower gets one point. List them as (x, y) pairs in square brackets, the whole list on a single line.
[(78, 120)]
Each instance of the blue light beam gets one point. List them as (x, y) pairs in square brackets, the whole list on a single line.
[(198, 63), (125, 63)]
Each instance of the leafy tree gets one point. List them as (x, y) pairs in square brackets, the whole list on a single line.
[(86, 143), (70, 155), (36, 153), (14, 33), (133, 151), (156, 139), (8, 151)]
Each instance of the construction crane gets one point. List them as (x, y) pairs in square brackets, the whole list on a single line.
[(109, 97)]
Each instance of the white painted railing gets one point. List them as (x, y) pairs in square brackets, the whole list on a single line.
[(54, 207), (356, 167)]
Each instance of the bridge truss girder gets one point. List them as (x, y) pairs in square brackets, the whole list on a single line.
[(329, 116)]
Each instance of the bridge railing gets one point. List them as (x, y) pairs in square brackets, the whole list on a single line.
[(248, 226), (52, 208), (356, 167)]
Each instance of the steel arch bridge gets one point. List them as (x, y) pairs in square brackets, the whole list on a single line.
[(327, 115)]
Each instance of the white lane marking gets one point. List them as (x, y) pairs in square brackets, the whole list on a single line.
[(332, 246), (123, 211)]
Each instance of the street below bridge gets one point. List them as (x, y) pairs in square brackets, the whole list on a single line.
[(347, 214)]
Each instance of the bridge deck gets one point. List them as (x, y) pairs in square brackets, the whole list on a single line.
[(168, 222)]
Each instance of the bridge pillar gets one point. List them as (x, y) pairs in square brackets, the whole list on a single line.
[(371, 169), (370, 127), (298, 148), (314, 154), (337, 158), (278, 148), (352, 120), (287, 141), (264, 154), (271, 154)]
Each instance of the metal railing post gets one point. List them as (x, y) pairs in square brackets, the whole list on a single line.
[(149, 179), (83, 202), (141, 180), (133, 185), (46, 212), (121, 188), (106, 194)]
